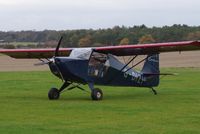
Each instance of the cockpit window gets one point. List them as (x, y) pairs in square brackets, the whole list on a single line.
[(96, 65)]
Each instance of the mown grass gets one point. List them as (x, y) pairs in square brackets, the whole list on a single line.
[(24, 107)]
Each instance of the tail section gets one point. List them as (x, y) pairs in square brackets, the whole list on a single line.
[(151, 70)]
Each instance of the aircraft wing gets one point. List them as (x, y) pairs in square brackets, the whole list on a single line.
[(34, 53), (144, 49), (123, 50)]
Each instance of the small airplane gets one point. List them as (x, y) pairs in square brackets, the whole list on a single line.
[(100, 66)]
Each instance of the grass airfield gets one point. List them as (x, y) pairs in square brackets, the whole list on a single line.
[(24, 107)]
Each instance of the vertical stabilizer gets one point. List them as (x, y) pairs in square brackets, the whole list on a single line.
[(151, 69)]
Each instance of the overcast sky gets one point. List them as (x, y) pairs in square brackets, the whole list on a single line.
[(83, 14)]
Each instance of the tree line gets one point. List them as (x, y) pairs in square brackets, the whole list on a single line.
[(118, 35)]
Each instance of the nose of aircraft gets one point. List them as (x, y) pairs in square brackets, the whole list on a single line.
[(53, 65)]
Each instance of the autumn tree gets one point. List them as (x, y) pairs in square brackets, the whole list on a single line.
[(108, 36), (85, 41), (146, 39), (124, 41), (194, 36)]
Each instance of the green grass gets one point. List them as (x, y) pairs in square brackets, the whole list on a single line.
[(24, 107)]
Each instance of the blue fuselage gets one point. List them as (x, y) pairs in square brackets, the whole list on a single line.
[(80, 71)]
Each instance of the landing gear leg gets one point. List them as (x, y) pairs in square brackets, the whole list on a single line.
[(54, 93), (96, 93), (154, 91)]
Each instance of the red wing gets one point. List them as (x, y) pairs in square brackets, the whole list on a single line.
[(144, 49), (34, 53), (124, 50)]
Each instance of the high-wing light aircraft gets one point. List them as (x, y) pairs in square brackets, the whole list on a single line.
[(76, 66)]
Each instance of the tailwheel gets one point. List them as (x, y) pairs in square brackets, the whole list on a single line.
[(53, 94), (97, 94)]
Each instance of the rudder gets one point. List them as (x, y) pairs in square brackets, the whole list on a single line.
[(151, 69)]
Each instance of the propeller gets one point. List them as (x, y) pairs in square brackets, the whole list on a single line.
[(53, 59), (58, 46), (56, 53), (43, 62)]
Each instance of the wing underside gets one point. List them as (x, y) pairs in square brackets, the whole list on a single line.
[(145, 49), (123, 50), (34, 53)]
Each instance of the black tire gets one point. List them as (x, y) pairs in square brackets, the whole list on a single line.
[(97, 94), (53, 94)]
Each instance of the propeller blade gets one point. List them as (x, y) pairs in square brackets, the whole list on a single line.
[(62, 78), (58, 46), (41, 63)]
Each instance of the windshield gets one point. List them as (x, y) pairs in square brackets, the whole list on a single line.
[(81, 53)]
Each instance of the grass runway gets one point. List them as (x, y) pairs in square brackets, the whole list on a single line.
[(24, 107)]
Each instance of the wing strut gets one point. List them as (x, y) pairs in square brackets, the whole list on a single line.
[(122, 69), (128, 62), (137, 63)]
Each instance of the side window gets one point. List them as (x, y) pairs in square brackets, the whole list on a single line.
[(96, 67)]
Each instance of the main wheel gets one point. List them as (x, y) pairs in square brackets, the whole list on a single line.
[(53, 94), (97, 94)]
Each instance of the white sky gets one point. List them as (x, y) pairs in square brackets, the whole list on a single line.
[(80, 14)]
